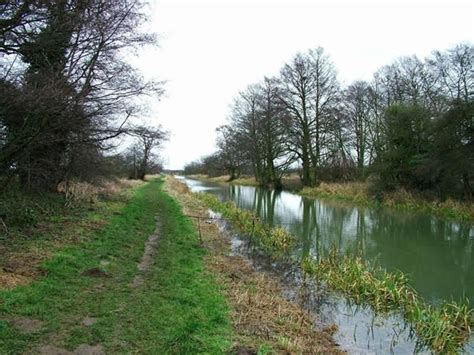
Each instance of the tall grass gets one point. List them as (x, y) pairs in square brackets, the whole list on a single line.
[(442, 329)]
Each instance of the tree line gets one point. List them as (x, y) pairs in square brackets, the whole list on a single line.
[(411, 126), (67, 92)]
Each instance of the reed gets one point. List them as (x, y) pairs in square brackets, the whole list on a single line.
[(443, 329)]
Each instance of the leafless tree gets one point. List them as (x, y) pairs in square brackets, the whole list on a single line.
[(143, 152), (310, 92)]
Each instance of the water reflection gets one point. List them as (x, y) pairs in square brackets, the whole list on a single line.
[(437, 255)]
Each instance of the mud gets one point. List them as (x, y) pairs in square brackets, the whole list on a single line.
[(148, 257), (27, 325), (83, 349)]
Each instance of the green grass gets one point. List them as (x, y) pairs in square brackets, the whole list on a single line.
[(179, 308)]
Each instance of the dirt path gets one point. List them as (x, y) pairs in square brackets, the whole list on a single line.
[(148, 256)]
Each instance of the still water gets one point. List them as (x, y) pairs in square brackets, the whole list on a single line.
[(437, 255)]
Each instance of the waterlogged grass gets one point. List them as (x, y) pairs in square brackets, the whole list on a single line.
[(275, 240), (442, 329)]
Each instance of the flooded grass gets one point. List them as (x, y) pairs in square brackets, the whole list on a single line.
[(264, 321), (275, 240), (443, 329)]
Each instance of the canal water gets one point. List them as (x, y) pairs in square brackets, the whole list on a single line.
[(437, 256)]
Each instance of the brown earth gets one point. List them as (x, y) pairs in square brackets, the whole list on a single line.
[(148, 256)]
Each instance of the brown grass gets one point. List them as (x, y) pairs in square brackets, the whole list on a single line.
[(10, 280), (353, 191), (77, 192), (259, 312), (401, 199), (224, 179)]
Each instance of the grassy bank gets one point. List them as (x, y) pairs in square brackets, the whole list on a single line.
[(358, 193), (225, 179), (442, 329), (34, 226), (276, 240), (84, 295)]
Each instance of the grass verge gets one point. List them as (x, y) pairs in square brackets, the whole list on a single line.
[(178, 309), (275, 240), (443, 329)]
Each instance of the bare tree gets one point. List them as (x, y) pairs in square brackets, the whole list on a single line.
[(142, 152), (310, 92), (357, 110)]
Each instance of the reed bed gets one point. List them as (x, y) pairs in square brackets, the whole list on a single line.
[(442, 329)]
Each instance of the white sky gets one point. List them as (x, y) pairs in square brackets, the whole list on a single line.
[(209, 51)]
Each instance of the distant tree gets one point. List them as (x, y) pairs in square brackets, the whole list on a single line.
[(231, 152), (142, 153)]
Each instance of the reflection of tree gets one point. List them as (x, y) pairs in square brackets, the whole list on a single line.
[(271, 197), (234, 194), (310, 229), (360, 232), (263, 204), (336, 221), (430, 250)]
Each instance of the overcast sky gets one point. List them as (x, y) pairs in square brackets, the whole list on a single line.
[(209, 51)]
